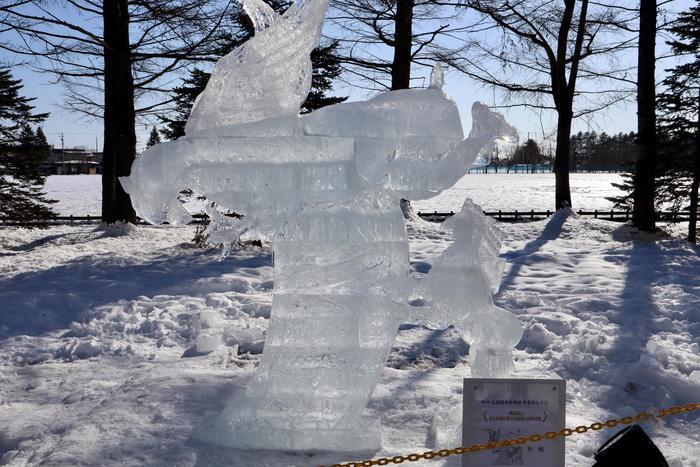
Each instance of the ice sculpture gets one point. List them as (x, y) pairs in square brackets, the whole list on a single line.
[(325, 187), (459, 291)]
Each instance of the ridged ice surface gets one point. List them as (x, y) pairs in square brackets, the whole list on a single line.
[(325, 188), (267, 76)]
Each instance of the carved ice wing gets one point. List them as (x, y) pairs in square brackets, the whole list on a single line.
[(269, 75), (260, 13)]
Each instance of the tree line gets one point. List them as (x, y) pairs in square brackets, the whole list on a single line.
[(123, 60), (593, 152), (588, 152)]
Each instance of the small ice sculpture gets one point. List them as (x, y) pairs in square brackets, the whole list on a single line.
[(459, 290), (325, 187)]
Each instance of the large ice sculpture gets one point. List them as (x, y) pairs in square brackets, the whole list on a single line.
[(325, 187)]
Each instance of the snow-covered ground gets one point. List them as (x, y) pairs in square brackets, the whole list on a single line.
[(80, 195), (524, 192), (97, 329), (77, 195)]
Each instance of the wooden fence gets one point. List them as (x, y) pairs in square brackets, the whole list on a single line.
[(532, 215), (435, 216)]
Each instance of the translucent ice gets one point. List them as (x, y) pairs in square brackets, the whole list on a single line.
[(459, 290), (325, 187), (267, 76)]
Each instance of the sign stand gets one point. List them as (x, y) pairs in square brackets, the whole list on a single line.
[(499, 409)]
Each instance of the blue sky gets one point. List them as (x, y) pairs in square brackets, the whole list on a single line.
[(81, 132)]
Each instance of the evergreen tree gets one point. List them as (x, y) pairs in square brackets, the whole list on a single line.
[(676, 172), (184, 97), (41, 137), (44, 148), (326, 68), (153, 138), (22, 154), (324, 60), (679, 122), (27, 137)]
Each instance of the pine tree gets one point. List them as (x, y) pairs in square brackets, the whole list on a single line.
[(184, 97), (326, 68), (44, 147), (679, 122), (153, 138), (27, 137), (22, 154), (324, 60), (41, 137)]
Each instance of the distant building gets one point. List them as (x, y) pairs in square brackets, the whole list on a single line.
[(73, 162)]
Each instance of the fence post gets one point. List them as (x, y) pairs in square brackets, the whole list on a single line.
[(548, 213), (595, 214), (611, 215), (532, 213), (499, 213)]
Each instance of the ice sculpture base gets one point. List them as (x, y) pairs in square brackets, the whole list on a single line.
[(491, 363), (363, 437), (446, 429)]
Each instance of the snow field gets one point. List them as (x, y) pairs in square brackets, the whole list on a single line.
[(77, 195), (80, 195), (524, 192), (104, 338)]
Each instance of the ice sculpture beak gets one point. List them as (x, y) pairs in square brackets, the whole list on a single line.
[(493, 128), (491, 125)]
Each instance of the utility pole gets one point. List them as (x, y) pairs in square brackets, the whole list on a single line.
[(63, 157)]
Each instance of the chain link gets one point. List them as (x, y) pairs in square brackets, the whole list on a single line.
[(640, 417)]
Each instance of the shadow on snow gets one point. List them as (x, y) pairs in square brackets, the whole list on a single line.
[(40, 301)]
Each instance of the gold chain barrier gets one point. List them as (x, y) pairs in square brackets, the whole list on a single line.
[(612, 423)]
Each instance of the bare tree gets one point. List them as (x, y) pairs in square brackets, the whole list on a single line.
[(543, 50), (115, 60), (381, 39)]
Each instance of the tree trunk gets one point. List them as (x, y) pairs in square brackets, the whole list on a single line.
[(119, 117), (643, 215), (562, 157), (693, 224), (403, 39)]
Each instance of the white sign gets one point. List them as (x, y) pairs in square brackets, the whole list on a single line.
[(500, 409)]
